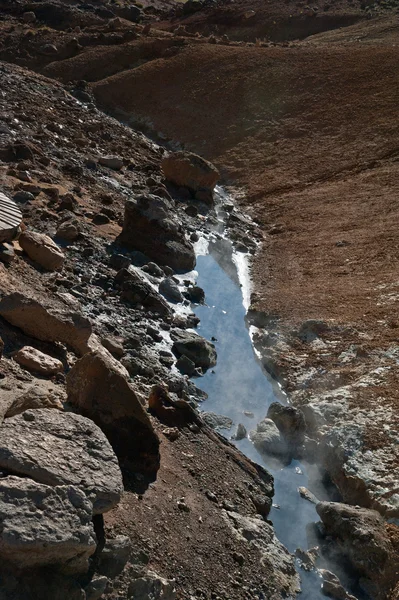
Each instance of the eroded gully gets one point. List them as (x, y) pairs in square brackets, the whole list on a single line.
[(239, 388)]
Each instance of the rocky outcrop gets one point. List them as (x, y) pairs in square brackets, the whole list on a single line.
[(195, 347), (189, 170), (151, 226), (38, 362), (41, 249), (259, 533), (62, 449), (97, 385), (46, 324), (45, 526), (362, 537)]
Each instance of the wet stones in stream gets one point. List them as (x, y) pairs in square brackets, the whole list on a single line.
[(201, 352)]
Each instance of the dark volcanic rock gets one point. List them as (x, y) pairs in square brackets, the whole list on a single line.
[(137, 290), (195, 347), (151, 226)]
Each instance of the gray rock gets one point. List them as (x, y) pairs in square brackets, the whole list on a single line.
[(151, 587), (362, 538), (96, 588), (45, 526), (169, 288), (29, 17), (241, 432), (217, 421), (112, 162), (259, 533), (137, 290), (23, 196), (185, 365), (98, 386), (114, 556), (151, 226), (195, 347), (62, 448), (267, 439), (46, 324), (290, 422)]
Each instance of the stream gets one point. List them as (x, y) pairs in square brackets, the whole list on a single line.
[(239, 388)]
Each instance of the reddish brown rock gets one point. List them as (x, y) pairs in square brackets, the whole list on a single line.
[(41, 249), (98, 386), (32, 359)]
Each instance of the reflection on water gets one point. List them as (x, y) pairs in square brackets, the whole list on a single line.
[(239, 384)]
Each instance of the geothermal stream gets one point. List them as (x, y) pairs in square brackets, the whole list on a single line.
[(240, 389)]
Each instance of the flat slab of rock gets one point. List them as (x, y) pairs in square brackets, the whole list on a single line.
[(46, 324), (10, 218), (98, 386), (58, 448), (195, 347), (32, 359), (151, 226), (45, 526), (41, 249)]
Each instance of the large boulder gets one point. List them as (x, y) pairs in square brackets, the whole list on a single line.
[(195, 347), (10, 219), (34, 360), (98, 386), (134, 288), (290, 422), (362, 536), (268, 440), (151, 226), (46, 324), (189, 170), (58, 448), (41, 249), (45, 526)]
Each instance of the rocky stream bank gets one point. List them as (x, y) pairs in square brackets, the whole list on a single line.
[(112, 484)]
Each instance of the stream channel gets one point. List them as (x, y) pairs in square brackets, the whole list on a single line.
[(238, 387)]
